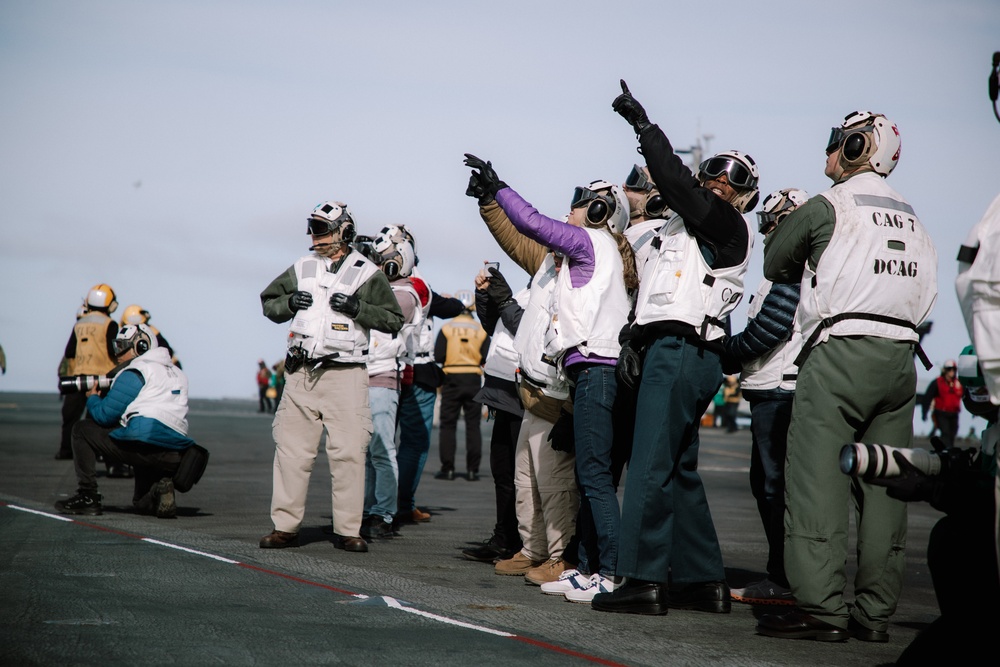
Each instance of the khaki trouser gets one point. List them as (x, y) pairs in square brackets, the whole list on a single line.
[(546, 493), (334, 399)]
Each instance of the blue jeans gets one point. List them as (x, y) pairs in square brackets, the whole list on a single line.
[(600, 517), (381, 472), (416, 419)]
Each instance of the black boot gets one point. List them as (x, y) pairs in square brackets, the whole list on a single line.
[(84, 502)]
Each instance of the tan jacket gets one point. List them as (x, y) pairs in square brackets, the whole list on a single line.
[(528, 254)]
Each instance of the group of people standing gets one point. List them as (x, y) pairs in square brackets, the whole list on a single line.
[(610, 357), (360, 363), (618, 345)]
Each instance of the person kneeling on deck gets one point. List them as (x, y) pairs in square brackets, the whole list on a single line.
[(142, 422)]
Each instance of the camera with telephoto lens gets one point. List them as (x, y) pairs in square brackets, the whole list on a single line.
[(876, 461), (73, 383)]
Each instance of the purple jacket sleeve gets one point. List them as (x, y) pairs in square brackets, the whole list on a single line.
[(573, 242)]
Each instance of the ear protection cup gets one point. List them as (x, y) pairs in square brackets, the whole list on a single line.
[(655, 205), (856, 148), (598, 211), (391, 269), (347, 233), (141, 346), (752, 204)]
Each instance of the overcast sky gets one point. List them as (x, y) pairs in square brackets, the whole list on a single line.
[(174, 149)]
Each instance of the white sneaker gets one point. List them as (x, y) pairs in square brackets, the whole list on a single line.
[(569, 580), (596, 584)]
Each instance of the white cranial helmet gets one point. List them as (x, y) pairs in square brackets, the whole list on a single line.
[(777, 205), (607, 205), (396, 254), (866, 138), (329, 217), (135, 336)]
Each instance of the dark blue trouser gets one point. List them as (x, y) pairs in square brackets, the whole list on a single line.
[(769, 420), (667, 532), (416, 419)]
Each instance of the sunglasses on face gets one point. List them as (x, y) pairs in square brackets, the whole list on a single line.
[(737, 175)]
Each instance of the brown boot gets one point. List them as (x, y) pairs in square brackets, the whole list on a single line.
[(279, 540), (546, 572), (518, 565)]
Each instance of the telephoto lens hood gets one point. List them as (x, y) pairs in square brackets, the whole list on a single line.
[(875, 461), (70, 384)]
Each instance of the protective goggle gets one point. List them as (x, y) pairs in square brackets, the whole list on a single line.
[(637, 180), (583, 197), (122, 345), (321, 227), (363, 244), (737, 175), (838, 134), (767, 221)]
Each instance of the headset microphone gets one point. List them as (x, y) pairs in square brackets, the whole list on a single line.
[(995, 83)]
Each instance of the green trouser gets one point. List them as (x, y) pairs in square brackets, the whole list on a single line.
[(850, 389)]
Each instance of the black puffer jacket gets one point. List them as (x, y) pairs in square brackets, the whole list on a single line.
[(771, 327)]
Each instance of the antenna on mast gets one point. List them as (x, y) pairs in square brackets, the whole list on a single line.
[(697, 150)]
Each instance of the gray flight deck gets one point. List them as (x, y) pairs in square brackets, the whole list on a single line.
[(125, 589)]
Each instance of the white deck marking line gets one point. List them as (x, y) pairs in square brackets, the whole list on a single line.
[(390, 601), (190, 551), (395, 604), (51, 516)]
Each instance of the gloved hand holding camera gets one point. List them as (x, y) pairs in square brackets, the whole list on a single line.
[(484, 183), (498, 290)]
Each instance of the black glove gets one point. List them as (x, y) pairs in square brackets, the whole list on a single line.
[(910, 485), (487, 178), (629, 367), (300, 300), (498, 291), (628, 108), (730, 364), (347, 304), (561, 436), (477, 191)]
